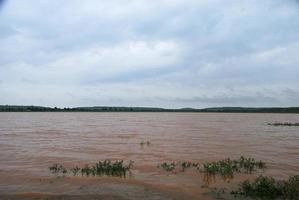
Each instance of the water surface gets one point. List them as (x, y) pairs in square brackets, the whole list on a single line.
[(31, 142)]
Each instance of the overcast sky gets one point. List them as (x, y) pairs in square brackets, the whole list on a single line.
[(161, 53)]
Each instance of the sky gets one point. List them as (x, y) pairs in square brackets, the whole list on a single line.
[(157, 53)]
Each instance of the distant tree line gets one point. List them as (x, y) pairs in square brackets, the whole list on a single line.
[(253, 109), (13, 108)]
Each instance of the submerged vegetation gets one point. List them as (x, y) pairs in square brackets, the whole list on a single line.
[(265, 187), (106, 167), (225, 168), (168, 166), (147, 143), (283, 124), (228, 167), (75, 170), (56, 169), (182, 166)]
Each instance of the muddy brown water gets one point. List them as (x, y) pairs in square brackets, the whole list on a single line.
[(31, 142)]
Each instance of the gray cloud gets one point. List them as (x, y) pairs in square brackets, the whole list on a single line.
[(166, 53)]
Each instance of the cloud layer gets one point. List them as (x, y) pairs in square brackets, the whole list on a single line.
[(168, 53)]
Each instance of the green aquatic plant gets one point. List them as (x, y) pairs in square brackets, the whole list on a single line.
[(147, 143), (290, 188), (228, 167), (186, 165), (182, 166), (262, 187), (55, 168), (260, 164), (265, 187), (250, 164), (225, 168), (195, 164), (75, 170), (107, 167), (168, 166), (86, 170), (117, 168)]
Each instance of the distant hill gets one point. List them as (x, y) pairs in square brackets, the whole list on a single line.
[(13, 108)]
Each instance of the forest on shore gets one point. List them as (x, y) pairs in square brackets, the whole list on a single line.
[(15, 108)]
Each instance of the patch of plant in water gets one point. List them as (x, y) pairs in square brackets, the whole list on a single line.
[(186, 165), (106, 167), (283, 124), (75, 170), (265, 187), (55, 169), (109, 168), (228, 167), (182, 166), (168, 166), (147, 143)]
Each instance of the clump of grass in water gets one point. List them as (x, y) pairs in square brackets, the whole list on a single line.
[(250, 164), (106, 167), (228, 167), (290, 188), (147, 143), (223, 167), (283, 124), (86, 170), (168, 166), (117, 168), (181, 165), (55, 168), (186, 165), (268, 188), (75, 170)]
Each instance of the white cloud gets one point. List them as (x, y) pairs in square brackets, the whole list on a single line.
[(98, 62), (158, 53), (126, 56)]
